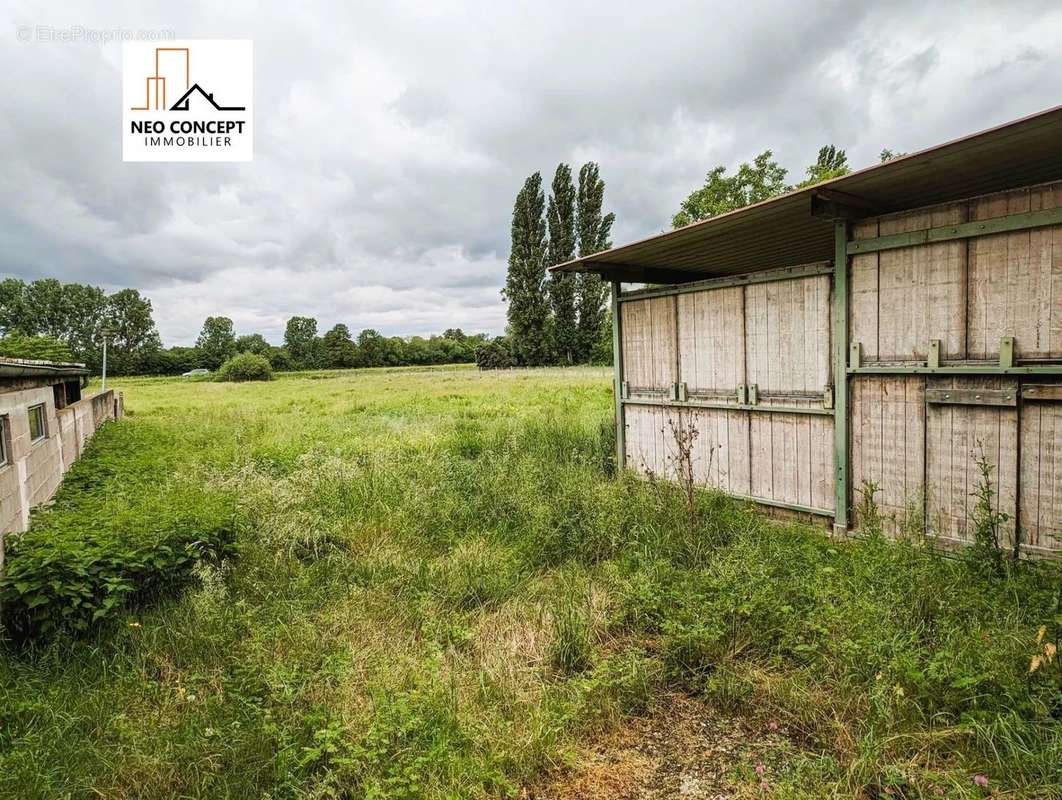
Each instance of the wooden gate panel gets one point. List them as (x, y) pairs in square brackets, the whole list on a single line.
[(1040, 500), (792, 459), (711, 348), (957, 435), (888, 448), (649, 344)]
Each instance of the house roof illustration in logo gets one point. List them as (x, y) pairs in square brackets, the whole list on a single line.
[(182, 104), (157, 85)]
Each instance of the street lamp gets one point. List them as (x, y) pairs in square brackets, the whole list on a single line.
[(106, 332)]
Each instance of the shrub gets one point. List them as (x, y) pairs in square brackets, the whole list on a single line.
[(117, 533), (246, 367), (495, 355), (44, 348)]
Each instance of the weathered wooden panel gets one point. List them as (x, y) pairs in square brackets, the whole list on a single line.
[(888, 449), (650, 439), (1015, 279), (787, 335), (720, 449), (902, 298), (792, 459), (863, 292), (1040, 499), (957, 436), (649, 343), (711, 328)]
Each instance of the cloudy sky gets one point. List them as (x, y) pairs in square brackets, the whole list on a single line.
[(392, 137)]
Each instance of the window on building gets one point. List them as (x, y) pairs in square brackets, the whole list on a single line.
[(38, 422), (5, 443)]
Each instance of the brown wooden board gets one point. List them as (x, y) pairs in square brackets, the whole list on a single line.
[(957, 435), (1040, 500), (888, 446)]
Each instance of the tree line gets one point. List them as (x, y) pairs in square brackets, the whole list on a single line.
[(762, 179), (65, 321), (558, 318)]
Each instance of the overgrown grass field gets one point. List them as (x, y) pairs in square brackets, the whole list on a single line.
[(430, 583)]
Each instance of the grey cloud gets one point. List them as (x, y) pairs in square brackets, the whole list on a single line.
[(391, 139)]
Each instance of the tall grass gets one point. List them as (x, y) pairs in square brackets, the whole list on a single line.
[(441, 586)]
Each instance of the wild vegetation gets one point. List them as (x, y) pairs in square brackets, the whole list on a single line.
[(439, 585)]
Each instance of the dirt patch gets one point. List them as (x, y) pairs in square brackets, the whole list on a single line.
[(683, 749)]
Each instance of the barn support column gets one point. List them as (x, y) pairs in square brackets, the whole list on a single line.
[(840, 376), (617, 382)]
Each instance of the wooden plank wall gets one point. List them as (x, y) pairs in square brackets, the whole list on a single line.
[(888, 448), (649, 344), (968, 294), (711, 328), (776, 335), (787, 339), (1040, 480)]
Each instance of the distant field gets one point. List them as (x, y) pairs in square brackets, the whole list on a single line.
[(441, 590)]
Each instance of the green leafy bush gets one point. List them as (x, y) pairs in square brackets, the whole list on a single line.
[(495, 355), (246, 367), (117, 534)]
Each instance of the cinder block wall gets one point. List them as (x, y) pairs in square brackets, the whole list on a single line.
[(35, 469)]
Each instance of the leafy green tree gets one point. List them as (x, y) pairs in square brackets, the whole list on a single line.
[(593, 231), (14, 306), (217, 341), (135, 337), (252, 343), (338, 349), (528, 312), (761, 179), (888, 155), (300, 339), (831, 163), (560, 219)]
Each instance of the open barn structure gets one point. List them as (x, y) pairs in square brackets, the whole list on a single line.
[(888, 334)]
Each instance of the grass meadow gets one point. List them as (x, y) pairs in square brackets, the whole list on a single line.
[(430, 583)]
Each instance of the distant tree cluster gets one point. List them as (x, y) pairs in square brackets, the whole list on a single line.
[(762, 179), (56, 321), (73, 315), (558, 318)]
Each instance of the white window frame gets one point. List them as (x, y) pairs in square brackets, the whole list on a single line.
[(43, 408)]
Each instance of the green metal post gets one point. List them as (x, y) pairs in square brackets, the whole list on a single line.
[(617, 383), (840, 376)]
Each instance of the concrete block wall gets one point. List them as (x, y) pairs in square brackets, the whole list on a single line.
[(35, 469)]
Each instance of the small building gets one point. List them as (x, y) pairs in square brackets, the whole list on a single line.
[(45, 421), (861, 344)]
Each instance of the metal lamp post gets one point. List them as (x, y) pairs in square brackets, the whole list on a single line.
[(106, 332)]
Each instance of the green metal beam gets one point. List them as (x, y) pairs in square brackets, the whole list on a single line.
[(747, 279), (639, 401), (965, 230), (840, 376), (617, 383), (971, 370)]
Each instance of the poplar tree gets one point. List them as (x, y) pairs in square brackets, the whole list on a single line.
[(528, 312), (592, 231), (560, 217)]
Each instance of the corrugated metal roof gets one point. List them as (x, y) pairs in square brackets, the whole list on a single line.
[(782, 231)]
